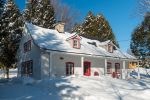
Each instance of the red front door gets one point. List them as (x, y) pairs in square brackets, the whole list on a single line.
[(87, 68)]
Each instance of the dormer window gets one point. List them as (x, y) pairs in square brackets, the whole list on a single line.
[(74, 41), (110, 48)]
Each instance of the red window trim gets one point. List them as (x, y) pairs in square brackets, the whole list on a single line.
[(26, 70), (78, 43), (27, 46), (110, 72), (67, 69), (117, 68)]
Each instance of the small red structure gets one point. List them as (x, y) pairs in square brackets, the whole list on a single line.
[(96, 74), (115, 75)]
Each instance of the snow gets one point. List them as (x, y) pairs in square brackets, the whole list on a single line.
[(144, 73), (53, 40), (12, 73), (74, 88)]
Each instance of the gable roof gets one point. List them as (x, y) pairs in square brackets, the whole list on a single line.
[(73, 36), (50, 39)]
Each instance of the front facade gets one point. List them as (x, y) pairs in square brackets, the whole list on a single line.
[(45, 53)]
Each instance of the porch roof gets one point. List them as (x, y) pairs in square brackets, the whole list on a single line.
[(50, 39)]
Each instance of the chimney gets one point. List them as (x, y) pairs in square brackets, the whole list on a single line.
[(60, 27)]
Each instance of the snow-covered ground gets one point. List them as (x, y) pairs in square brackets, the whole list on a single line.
[(12, 73), (74, 88)]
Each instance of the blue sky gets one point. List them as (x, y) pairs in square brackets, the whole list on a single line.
[(119, 13)]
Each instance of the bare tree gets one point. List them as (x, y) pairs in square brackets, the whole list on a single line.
[(65, 14)]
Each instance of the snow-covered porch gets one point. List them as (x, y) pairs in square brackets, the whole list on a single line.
[(63, 64)]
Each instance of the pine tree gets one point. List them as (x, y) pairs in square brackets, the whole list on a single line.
[(96, 27), (140, 39), (29, 13), (10, 34), (1, 6), (40, 12)]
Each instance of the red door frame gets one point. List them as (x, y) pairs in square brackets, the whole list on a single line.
[(87, 69), (67, 73), (117, 74), (117, 68)]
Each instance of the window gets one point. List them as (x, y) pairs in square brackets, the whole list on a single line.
[(69, 68), (117, 67), (27, 46), (27, 68), (109, 68), (75, 43), (110, 48)]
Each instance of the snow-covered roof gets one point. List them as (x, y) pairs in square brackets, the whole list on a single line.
[(53, 40)]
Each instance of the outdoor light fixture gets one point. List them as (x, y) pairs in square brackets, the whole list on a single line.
[(61, 58)]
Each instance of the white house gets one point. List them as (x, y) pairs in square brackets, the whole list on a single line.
[(45, 53)]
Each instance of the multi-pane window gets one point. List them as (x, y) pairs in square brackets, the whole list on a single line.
[(69, 68), (109, 68), (75, 43), (27, 46), (117, 67), (110, 48), (27, 68)]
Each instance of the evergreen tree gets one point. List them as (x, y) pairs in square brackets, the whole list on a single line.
[(140, 39), (10, 34), (96, 27), (40, 12), (1, 6), (30, 11)]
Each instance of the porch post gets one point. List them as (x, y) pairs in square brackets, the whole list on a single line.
[(82, 66), (123, 70), (50, 64), (105, 68), (138, 70)]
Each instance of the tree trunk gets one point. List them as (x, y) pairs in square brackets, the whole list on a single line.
[(7, 72)]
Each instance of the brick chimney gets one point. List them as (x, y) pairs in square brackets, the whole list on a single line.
[(60, 27)]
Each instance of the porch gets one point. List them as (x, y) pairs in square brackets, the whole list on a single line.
[(63, 64)]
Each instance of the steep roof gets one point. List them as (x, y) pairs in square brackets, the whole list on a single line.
[(53, 40)]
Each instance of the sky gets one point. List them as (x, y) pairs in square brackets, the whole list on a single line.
[(119, 13)]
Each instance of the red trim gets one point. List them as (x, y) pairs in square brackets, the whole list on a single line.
[(27, 46), (87, 68), (75, 36), (67, 68), (78, 43), (110, 69), (27, 67), (116, 69)]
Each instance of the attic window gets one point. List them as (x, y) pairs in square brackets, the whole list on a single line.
[(110, 48), (76, 43)]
